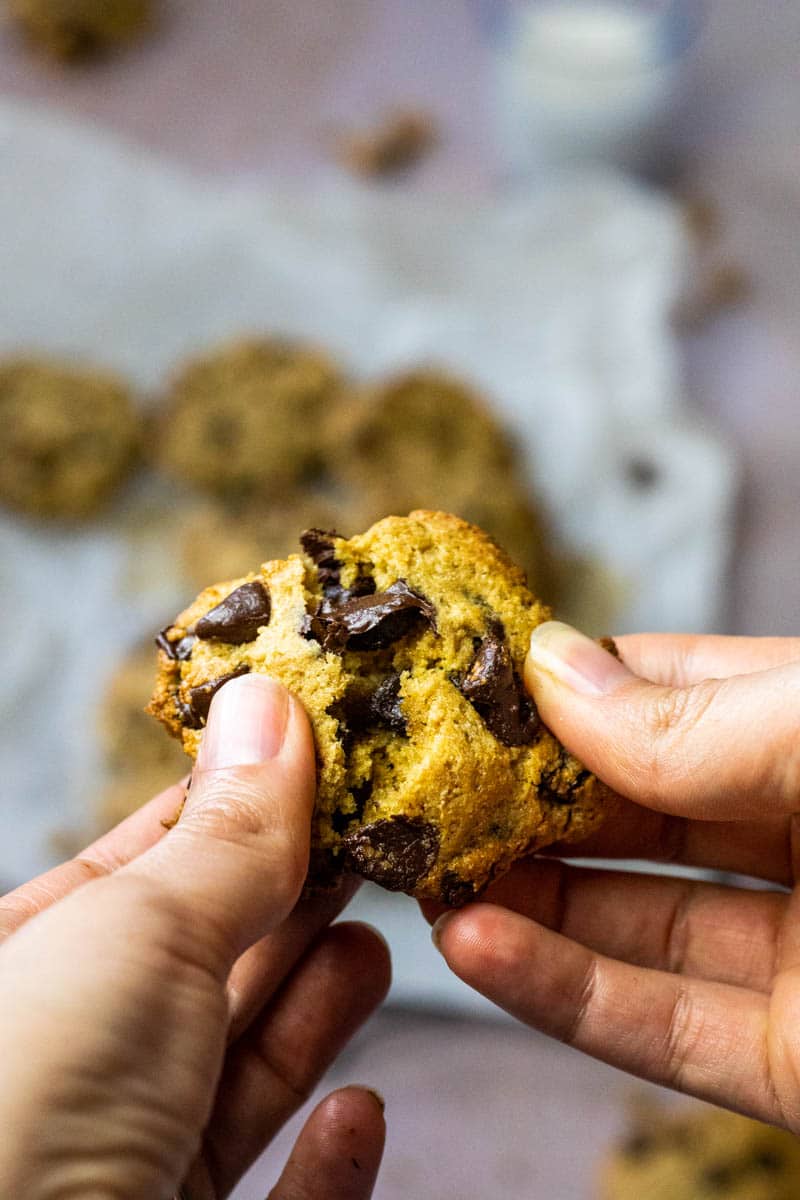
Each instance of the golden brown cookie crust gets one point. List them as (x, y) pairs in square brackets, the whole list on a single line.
[(406, 645)]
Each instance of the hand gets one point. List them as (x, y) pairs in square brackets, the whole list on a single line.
[(690, 984), (165, 1002)]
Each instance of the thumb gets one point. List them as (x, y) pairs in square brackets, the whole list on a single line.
[(720, 749), (237, 859)]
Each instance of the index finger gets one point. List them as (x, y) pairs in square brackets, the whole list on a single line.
[(681, 659), (120, 845), (761, 848)]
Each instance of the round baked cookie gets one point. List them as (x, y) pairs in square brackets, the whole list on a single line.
[(67, 437), (138, 761), (703, 1154), (406, 646), (71, 29), (246, 418), (415, 432)]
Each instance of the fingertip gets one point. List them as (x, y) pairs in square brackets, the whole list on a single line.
[(482, 942), (562, 657), (352, 1123), (358, 1101), (339, 1149)]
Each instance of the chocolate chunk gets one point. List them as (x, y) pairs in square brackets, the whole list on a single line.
[(238, 617), (560, 783), (180, 649), (361, 710), (394, 853), (193, 715), (369, 622), (384, 705), (768, 1159), (719, 1177), (456, 891), (495, 691), (318, 545)]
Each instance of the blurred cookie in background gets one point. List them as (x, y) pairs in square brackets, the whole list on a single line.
[(222, 542), (413, 429), (247, 418), (68, 436), (701, 1153), (72, 30), (138, 759), (425, 439)]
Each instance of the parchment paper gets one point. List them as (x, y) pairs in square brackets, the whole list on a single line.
[(556, 301)]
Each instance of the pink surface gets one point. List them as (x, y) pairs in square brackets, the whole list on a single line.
[(246, 87)]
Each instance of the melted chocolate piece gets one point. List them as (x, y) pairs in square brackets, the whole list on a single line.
[(495, 691), (394, 853), (318, 545), (178, 651), (238, 617), (364, 710), (193, 715), (369, 622)]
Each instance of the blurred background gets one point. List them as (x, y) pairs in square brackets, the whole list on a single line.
[(267, 267)]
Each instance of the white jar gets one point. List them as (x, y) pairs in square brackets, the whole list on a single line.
[(586, 81)]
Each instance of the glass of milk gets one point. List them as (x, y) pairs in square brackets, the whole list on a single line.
[(586, 81)]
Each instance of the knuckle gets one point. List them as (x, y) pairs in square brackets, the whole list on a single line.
[(585, 1001), (671, 716), (678, 932), (231, 806), (788, 766), (239, 809), (683, 1033)]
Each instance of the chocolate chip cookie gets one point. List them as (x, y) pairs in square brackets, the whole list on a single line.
[(416, 429), (67, 437), (73, 29), (406, 645), (248, 418), (703, 1154)]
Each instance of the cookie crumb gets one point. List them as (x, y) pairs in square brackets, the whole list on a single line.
[(395, 144)]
